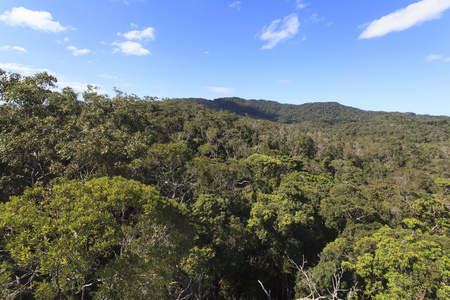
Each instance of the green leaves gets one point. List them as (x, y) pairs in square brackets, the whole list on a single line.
[(344, 204), (393, 264), (256, 195), (79, 237), (29, 92)]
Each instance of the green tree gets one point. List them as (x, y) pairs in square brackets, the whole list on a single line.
[(106, 238), (344, 204), (29, 92), (395, 264), (223, 247)]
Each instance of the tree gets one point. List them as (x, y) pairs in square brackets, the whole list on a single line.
[(344, 204), (395, 264), (106, 238), (223, 247), (29, 92)]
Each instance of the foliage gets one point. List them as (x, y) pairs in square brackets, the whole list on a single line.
[(123, 197), (111, 238), (393, 264)]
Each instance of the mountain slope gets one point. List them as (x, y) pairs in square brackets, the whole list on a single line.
[(325, 112)]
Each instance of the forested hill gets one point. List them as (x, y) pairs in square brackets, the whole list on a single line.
[(325, 112), (129, 198)]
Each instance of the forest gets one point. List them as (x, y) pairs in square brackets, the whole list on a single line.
[(122, 197)]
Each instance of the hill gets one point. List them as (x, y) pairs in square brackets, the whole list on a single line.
[(326, 112)]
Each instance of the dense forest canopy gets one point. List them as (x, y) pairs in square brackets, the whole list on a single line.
[(140, 198), (327, 112)]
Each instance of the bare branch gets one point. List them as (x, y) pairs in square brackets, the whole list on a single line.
[(336, 282), (265, 291)]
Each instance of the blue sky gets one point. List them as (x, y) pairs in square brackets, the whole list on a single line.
[(373, 54)]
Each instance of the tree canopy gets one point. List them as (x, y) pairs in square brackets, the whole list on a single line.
[(125, 197)]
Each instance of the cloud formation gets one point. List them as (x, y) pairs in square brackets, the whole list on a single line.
[(16, 48), (435, 57), (236, 4), (134, 48), (37, 20), (130, 48), (220, 90), (300, 4), (63, 41), (22, 69), (314, 18), (405, 18), (279, 31), (78, 52), (146, 34)]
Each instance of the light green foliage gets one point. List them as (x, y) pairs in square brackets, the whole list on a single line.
[(430, 215), (305, 187), (283, 225), (213, 214), (111, 237), (395, 264), (444, 183), (265, 170), (274, 215)]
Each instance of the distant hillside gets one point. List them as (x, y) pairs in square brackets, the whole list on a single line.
[(324, 112)]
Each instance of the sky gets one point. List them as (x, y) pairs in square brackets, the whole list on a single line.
[(378, 55)]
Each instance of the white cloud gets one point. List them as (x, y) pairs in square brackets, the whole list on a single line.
[(147, 33), (17, 48), (405, 18), (279, 30), (134, 48), (220, 90), (433, 57), (314, 18), (130, 48), (63, 41), (300, 4), (236, 4), (22, 69), (206, 53), (38, 20), (132, 25), (78, 52)]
